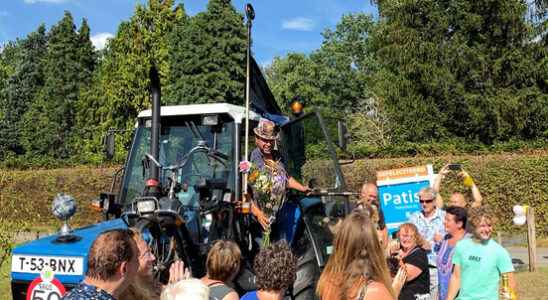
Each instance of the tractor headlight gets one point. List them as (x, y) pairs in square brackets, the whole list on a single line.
[(146, 206)]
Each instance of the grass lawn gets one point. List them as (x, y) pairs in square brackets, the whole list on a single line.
[(5, 288), (533, 286)]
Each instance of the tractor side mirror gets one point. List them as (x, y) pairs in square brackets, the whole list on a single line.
[(342, 134), (109, 145)]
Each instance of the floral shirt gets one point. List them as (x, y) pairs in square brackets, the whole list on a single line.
[(269, 183), (87, 292), (428, 227)]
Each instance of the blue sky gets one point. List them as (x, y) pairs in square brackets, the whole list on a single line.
[(280, 26)]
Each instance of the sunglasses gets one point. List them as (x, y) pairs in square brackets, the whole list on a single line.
[(426, 201)]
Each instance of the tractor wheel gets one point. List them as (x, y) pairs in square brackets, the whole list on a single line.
[(308, 272), (161, 245)]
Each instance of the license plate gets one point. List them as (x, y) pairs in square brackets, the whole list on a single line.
[(60, 265)]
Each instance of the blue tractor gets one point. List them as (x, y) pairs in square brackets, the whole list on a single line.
[(180, 185)]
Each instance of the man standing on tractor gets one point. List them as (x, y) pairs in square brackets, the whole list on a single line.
[(267, 176)]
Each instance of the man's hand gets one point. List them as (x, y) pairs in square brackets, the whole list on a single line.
[(445, 170), (260, 215)]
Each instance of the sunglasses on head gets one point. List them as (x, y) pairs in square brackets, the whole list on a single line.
[(426, 200)]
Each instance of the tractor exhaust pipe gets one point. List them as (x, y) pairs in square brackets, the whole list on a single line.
[(153, 183)]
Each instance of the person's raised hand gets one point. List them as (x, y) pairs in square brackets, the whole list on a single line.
[(178, 272), (445, 170), (463, 174)]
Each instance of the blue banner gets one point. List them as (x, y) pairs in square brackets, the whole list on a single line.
[(398, 201)]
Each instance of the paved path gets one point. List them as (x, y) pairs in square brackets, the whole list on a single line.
[(522, 254)]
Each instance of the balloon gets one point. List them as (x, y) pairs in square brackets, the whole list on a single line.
[(519, 210), (519, 220)]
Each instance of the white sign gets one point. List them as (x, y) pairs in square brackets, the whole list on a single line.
[(61, 265)]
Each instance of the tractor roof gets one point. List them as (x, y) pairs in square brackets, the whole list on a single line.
[(236, 112)]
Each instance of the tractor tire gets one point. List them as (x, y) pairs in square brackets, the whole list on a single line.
[(160, 245), (308, 272)]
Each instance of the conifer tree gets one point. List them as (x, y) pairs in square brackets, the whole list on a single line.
[(457, 68), (120, 86), (207, 57), (20, 89), (49, 122)]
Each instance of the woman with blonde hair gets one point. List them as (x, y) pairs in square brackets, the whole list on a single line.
[(222, 264), (357, 267), (191, 288), (414, 262)]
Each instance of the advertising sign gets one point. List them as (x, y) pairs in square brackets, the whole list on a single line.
[(398, 192)]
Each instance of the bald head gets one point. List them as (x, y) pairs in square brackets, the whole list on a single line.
[(457, 199), (369, 194)]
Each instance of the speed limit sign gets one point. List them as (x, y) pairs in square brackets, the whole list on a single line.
[(45, 287)]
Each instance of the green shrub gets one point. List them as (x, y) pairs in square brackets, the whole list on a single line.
[(451, 147), (504, 180)]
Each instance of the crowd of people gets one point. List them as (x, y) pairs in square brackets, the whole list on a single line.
[(440, 252)]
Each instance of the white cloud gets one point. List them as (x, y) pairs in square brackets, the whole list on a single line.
[(46, 1), (300, 24), (100, 40)]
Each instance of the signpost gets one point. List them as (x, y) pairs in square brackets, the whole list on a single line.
[(398, 192)]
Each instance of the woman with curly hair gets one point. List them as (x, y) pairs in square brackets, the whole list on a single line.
[(357, 267), (414, 262), (275, 270), (222, 264)]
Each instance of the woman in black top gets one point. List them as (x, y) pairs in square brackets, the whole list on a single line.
[(415, 261)]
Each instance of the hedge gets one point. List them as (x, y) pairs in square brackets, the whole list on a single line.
[(504, 180)]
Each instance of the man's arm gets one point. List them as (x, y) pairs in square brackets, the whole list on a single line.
[(512, 282), (454, 283), (437, 185), (292, 183), (469, 182)]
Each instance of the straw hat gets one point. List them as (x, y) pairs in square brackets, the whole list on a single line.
[(266, 130)]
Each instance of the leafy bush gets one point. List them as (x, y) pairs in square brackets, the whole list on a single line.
[(504, 180)]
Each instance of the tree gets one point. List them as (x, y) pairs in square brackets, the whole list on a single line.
[(20, 89), (47, 126), (456, 69), (120, 86), (207, 57)]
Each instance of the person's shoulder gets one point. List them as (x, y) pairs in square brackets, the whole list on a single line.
[(377, 290), (464, 243), (496, 246), (441, 212), (413, 217), (84, 291), (250, 296)]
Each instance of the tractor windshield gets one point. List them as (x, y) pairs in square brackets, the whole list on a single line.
[(176, 140), (308, 149)]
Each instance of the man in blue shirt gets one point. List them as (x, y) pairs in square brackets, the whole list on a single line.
[(112, 265), (429, 222)]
